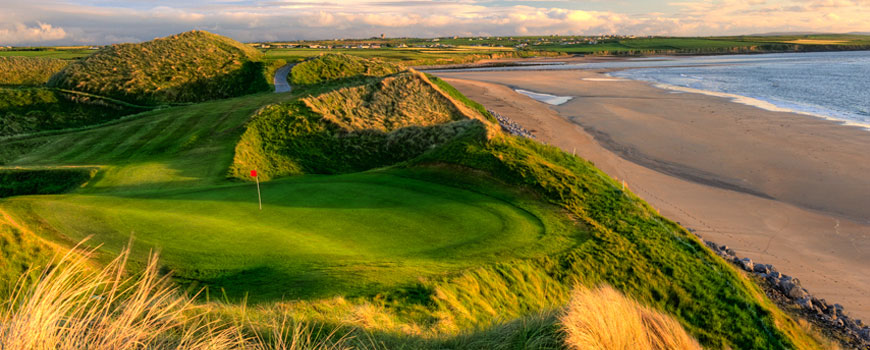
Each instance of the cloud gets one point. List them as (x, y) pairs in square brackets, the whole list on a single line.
[(17, 33), (101, 22)]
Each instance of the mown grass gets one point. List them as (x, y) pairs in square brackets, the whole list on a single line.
[(28, 71), (315, 237), (189, 67)]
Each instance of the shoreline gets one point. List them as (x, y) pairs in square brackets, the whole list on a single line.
[(750, 101), (736, 174)]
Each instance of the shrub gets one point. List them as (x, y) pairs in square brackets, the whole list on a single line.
[(28, 110), (17, 182)]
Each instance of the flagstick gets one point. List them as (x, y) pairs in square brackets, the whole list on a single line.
[(259, 198)]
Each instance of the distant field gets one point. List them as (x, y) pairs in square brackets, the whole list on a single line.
[(67, 54), (720, 45)]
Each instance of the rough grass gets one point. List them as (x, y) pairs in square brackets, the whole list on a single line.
[(75, 305), (189, 67), (604, 319), (359, 127), (28, 71), (335, 67)]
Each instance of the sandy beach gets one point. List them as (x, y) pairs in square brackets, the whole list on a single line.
[(780, 188)]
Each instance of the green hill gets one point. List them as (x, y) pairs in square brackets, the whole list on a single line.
[(409, 215), (369, 124), (332, 67), (189, 67), (28, 71)]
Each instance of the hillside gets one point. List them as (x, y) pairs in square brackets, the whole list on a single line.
[(28, 71), (368, 124), (394, 209), (189, 67), (27, 110)]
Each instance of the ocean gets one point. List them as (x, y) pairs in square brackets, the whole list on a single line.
[(826, 84), (833, 85)]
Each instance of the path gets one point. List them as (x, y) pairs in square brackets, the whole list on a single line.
[(280, 80)]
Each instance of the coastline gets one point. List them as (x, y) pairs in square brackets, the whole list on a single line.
[(746, 100), (764, 183)]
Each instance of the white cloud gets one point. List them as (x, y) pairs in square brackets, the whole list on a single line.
[(17, 33), (318, 19)]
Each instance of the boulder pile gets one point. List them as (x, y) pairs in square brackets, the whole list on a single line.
[(787, 289), (510, 126)]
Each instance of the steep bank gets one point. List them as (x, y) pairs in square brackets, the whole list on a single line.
[(827, 252)]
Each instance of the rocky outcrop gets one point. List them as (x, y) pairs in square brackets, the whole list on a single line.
[(787, 290)]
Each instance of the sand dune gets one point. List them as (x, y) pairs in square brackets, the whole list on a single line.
[(785, 189)]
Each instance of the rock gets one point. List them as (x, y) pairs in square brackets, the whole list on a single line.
[(792, 288), (865, 333), (747, 264), (796, 292), (806, 303), (761, 269)]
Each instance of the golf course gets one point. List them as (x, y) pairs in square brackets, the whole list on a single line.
[(396, 213)]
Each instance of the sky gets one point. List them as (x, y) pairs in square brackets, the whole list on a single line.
[(97, 22)]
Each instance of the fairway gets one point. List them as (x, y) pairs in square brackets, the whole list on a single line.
[(316, 235)]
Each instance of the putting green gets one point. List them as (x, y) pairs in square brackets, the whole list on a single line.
[(316, 235)]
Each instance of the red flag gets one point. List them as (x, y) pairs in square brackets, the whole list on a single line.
[(253, 173)]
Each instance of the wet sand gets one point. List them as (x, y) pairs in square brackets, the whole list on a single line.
[(784, 189)]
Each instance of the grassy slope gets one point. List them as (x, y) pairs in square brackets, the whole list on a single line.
[(627, 245), (18, 71), (364, 122), (36, 109), (163, 177), (188, 67)]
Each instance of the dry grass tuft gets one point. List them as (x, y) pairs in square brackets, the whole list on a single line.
[(74, 306), (604, 319)]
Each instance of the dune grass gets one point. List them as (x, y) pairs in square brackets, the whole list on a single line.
[(190, 67), (604, 319), (28, 71), (76, 305)]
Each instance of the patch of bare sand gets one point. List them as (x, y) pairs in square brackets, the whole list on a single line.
[(788, 190)]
